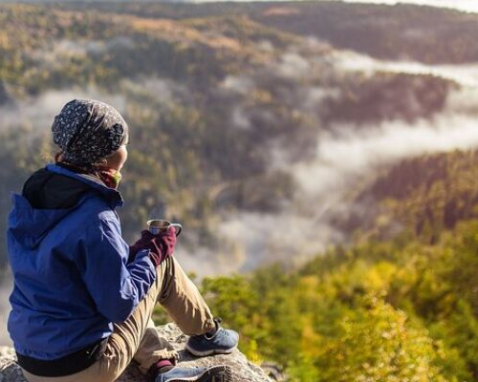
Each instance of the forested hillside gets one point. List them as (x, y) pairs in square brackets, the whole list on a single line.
[(402, 32), (225, 111), (382, 311), (401, 303), (292, 133)]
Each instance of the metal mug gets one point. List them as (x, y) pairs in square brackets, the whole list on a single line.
[(156, 226)]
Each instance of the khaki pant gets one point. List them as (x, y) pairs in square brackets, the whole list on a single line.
[(137, 338)]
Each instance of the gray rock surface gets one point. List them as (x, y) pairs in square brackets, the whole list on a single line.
[(242, 369)]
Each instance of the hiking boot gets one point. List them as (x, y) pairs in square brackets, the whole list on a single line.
[(198, 374), (222, 341)]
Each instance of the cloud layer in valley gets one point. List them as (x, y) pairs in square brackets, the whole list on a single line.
[(344, 156), (340, 156)]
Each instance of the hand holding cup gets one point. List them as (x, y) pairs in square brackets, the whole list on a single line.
[(157, 226), (159, 239)]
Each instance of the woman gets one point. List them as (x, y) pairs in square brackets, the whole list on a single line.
[(82, 298)]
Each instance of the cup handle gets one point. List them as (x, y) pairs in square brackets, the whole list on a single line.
[(178, 228)]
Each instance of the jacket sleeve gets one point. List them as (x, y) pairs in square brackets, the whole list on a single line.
[(115, 285)]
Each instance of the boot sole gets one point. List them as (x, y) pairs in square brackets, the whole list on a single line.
[(213, 374), (205, 353)]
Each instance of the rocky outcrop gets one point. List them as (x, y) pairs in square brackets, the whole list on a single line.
[(242, 369)]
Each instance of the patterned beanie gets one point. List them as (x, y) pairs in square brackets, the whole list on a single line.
[(88, 130)]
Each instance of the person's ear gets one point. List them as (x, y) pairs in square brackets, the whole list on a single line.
[(59, 157)]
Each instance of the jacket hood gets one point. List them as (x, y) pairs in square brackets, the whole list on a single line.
[(48, 196), (29, 225)]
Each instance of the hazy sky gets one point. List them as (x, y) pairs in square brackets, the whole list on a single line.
[(462, 5)]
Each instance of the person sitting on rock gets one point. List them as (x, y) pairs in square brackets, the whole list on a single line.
[(83, 299)]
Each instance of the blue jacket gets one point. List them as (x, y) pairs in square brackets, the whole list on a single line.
[(72, 278)]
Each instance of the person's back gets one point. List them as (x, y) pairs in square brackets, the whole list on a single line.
[(51, 303), (83, 299)]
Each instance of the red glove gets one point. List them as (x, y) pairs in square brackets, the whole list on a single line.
[(160, 246), (142, 243)]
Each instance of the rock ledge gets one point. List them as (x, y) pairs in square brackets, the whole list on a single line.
[(242, 369)]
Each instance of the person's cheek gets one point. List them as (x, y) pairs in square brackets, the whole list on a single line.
[(125, 157)]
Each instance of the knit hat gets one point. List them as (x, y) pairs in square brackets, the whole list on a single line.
[(88, 130)]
